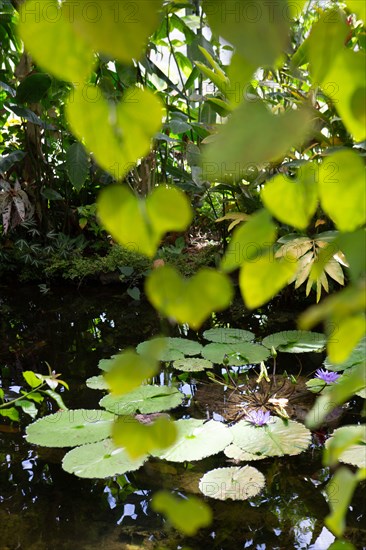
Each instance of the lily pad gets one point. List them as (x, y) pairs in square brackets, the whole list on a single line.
[(176, 348), (357, 356), (237, 354), (100, 460), (97, 383), (145, 399), (228, 335), (106, 364), (295, 341), (233, 483), (355, 454), (362, 393), (238, 455), (192, 364), (196, 439), (277, 438), (70, 428)]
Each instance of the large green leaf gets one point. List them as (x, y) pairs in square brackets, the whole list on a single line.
[(118, 135), (242, 353), (119, 29), (295, 341), (224, 335), (342, 189), (77, 165), (348, 334), (188, 300), (348, 445), (174, 348), (143, 222), (292, 201), (261, 280), (253, 135), (187, 515), (235, 483), (145, 399), (100, 460), (278, 438), (46, 28), (359, 8), (355, 358), (259, 32), (70, 428), (249, 241), (196, 440)]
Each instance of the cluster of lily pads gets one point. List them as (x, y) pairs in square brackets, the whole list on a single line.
[(97, 454)]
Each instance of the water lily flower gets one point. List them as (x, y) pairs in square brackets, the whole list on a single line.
[(327, 376), (258, 418)]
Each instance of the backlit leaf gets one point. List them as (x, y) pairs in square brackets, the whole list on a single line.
[(340, 491), (145, 400), (236, 354), (348, 334), (234, 483), (295, 341), (187, 515), (348, 445), (129, 370)]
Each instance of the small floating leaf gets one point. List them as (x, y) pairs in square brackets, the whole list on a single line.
[(145, 399), (192, 364), (100, 460), (295, 341), (97, 383), (232, 483), (70, 428), (278, 438), (224, 335), (238, 455), (196, 440), (187, 515), (237, 354)]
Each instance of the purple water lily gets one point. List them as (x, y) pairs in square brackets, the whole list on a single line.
[(327, 376), (258, 418)]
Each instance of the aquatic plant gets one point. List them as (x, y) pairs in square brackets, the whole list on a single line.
[(258, 418), (327, 376)]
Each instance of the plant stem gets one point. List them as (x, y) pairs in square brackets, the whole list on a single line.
[(22, 396)]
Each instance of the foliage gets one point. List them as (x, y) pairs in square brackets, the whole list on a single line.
[(232, 483)]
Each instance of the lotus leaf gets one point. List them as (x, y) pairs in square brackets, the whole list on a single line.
[(354, 454), (97, 383), (196, 439), (70, 428), (145, 399), (176, 348), (233, 483), (238, 354), (106, 364), (192, 364), (277, 438), (228, 335), (238, 455), (295, 341), (100, 460)]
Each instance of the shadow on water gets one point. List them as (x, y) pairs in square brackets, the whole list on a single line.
[(43, 508)]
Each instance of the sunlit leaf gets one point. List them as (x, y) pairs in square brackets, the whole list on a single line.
[(32, 380), (232, 483), (226, 335), (145, 400), (295, 341), (235, 354), (358, 8), (174, 348), (238, 455), (97, 383), (187, 515), (192, 364), (11, 413), (356, 357), (129, 370), (347, 444), (348, 334), (340, 490), (27, 407)]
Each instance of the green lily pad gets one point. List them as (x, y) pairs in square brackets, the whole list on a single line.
[(295, 341), (145, 399), (238, 354), (228, 335), (355, 454), (196, 439), (70, 428), (192, 364), (100, 460), (357, 356), (176, 348), (277, 438), (97, 383), (106, 364), (233, 483), (238, 455), (362, 393)]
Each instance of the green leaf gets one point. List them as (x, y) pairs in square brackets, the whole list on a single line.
[(10, 413), (237, 354), (119, 30), (347, 444), (342, 544), (238, 455), (139, 439), (225, 335), (258, 33), (358, 8), (32, 379), (77, 165), (349, 332), (129, 370), (342, 189), (97, 383), (70, 428), (353, 245), (340, 491), (192, 364), (117, 134), (100, 460), (249, 241), (292, 201), (172, 348), (355, 358), (57, 398), (261, 280), (51, 194), (47, 32), (143, 222), (196, 440), (295, 341), (27, 407), (187, 515), (253, 135), (188, 300), (145, 400), (1, 394), (33, 88), (278, 438), (233, 483), (9, 160)]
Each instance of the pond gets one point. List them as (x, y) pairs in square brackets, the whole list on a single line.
[(42, 507)]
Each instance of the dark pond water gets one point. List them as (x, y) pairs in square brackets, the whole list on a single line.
[(43, 508)]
